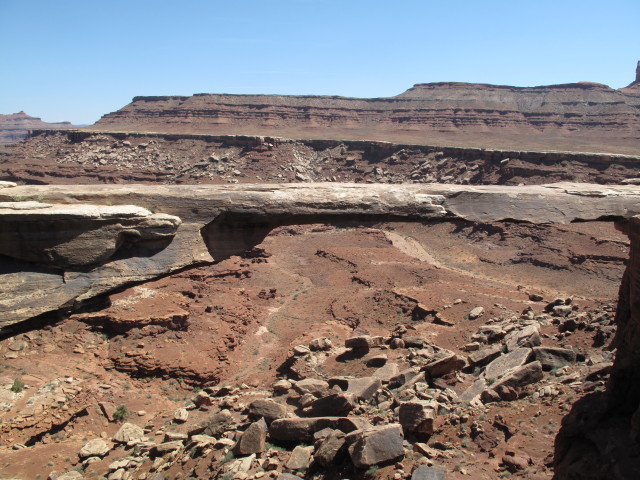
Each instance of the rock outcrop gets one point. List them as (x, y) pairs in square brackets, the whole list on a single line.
[(600, 437), (218, 222), (578, 116)]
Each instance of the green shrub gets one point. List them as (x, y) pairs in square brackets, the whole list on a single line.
[(121, 413), (18, 386)]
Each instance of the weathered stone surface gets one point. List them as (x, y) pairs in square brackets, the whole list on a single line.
[(376, 361), (320, 344), (77, 235), (167, 447), (521, 376), (425, 472), (552, 357), (268, 409), (528, 336), (72, 475), (476, 313), (288, 476), (482, 357), (215, 425), (504, 363), (387, 372), (314, 386), (376, 445), (362, 341), (181, 415), (335, 404), (330, 448), (417, 416), (253, 439), (300, 458), (128, 432), (443, 364), (363, 388), (302, 429), (94, 448)]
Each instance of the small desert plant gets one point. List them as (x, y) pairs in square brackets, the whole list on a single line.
[(372, 471), (18, 386), (121, 413)]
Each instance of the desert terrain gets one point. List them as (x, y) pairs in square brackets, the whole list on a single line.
[(362, 346)]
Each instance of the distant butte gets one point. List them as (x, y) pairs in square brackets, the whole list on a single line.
[(586, 117), (16, 126)]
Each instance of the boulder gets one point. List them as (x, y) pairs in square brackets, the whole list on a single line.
[(482, 357), (288, 476), (320, 344), (300, 458), (528, 336), (406, 377), (552, 358), (215, 425), (128, 432), (94, 448), (281, 387), (181, 415), (417, 416), (268, 409), (426, 472), (376, 361), (387, 372), (166, 447), (314, 386), (444, 363), (476, 313), (376, 445), (302, 429), (335, 404), (330, 448), (253, 439), (521, 376), (362, 342), (414, 341), (504, 363), (362, 388), (72, 475)]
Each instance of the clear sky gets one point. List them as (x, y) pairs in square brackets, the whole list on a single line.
[(77, 60)]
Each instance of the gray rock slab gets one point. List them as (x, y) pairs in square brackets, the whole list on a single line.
[(501, 365)]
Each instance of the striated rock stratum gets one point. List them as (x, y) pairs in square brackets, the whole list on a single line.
[(576, 117)]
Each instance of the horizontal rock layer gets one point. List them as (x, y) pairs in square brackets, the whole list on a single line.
[(578, 117), (220, 221)]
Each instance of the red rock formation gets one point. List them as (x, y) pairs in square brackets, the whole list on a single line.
[(576, 117), (16, 126)]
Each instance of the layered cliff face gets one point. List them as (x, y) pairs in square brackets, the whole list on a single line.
[(574, 117), (16, 126)]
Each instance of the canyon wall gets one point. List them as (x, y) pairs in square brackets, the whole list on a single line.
[(575, 117)]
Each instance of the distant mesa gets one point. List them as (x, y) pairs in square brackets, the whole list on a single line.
[(584, 116), (16, 126)]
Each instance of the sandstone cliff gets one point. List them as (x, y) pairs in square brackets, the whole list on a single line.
[(576, 117)]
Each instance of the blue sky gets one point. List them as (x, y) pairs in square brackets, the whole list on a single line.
[(78, 60)]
